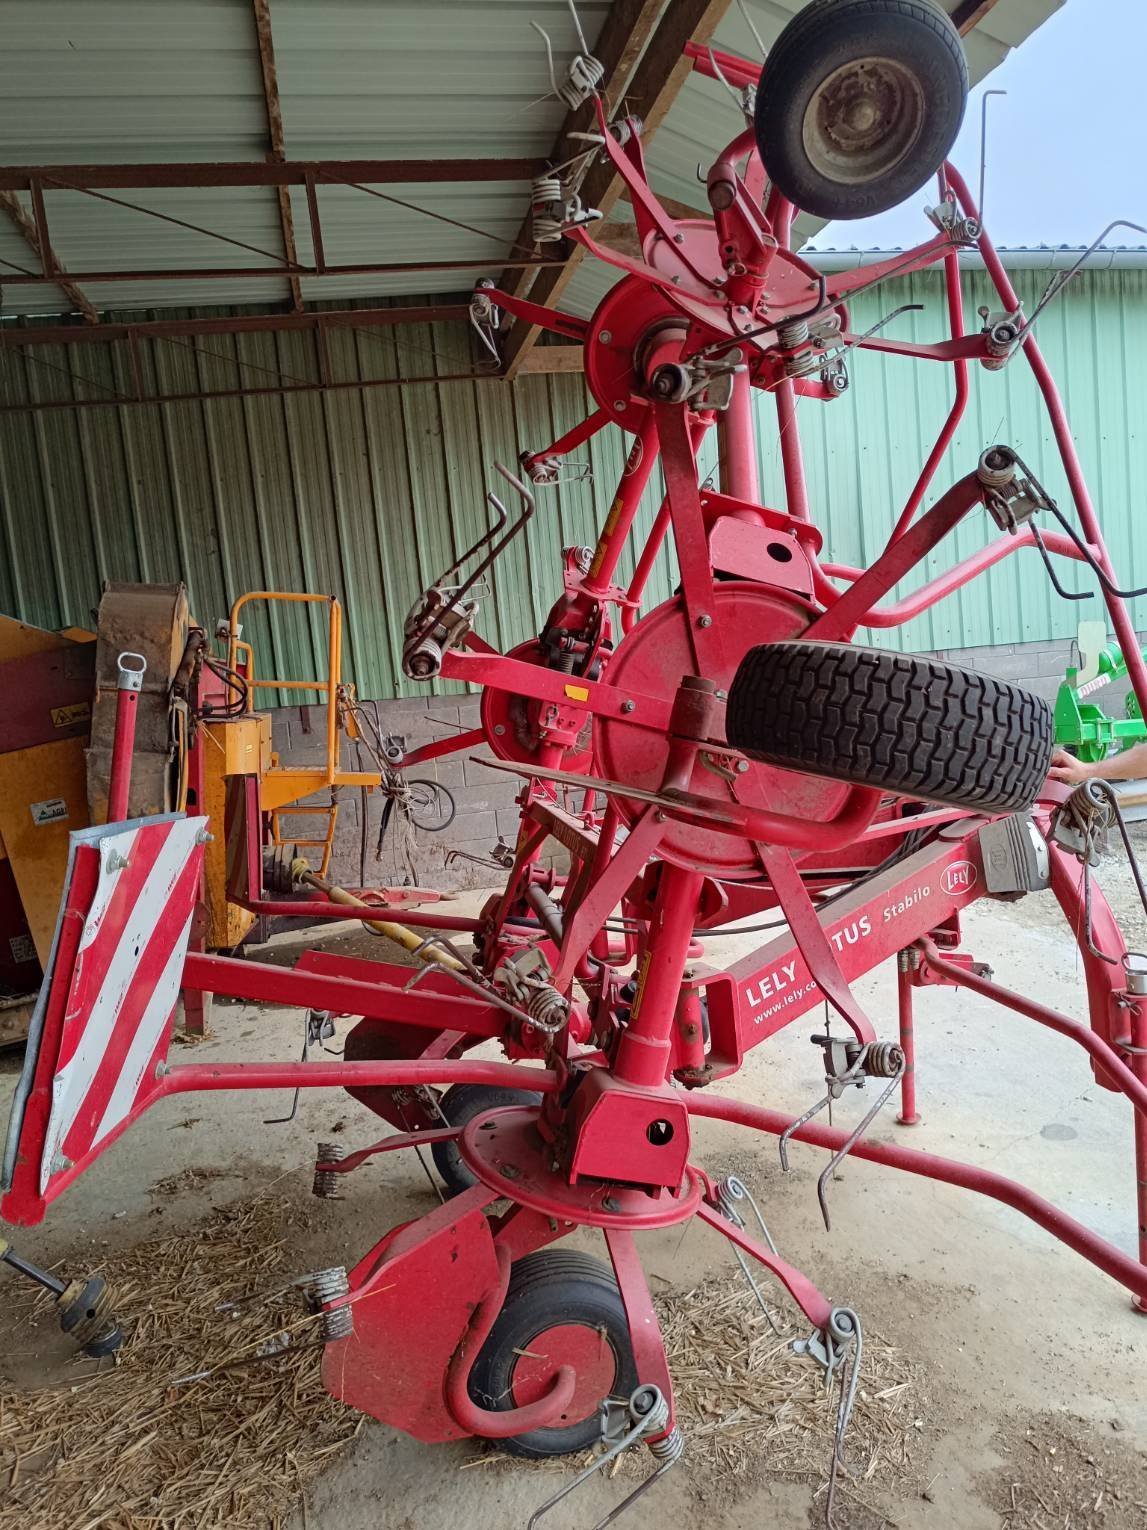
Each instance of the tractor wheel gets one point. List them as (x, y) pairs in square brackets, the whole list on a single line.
[(461, 1103), (561, 1308), (896, 721), (859, 103)]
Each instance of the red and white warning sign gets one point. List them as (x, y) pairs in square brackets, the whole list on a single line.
[(103, 1020)]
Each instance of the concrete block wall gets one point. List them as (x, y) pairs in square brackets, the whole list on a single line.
[(484, 799), (1038, 667)]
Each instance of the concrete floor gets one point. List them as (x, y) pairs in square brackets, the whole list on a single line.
[(1006, 1323)]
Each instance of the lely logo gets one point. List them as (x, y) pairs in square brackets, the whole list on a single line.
[(960, 876)]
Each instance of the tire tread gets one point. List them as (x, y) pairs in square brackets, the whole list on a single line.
[(904, 723)]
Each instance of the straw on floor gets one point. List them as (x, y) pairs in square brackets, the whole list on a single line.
[(750, 1407), (135, 1444)]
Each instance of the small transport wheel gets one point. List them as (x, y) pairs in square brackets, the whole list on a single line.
[(461, 1103), (859, 103), (562, 1308), (896, 721), (430, 806)]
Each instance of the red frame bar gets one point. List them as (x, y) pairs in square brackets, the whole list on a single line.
[(1105, 1256)]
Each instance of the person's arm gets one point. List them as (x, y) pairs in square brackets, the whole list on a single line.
[(1128, 765)]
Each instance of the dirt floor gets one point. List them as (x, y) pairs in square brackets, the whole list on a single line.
[(1027, 1369)]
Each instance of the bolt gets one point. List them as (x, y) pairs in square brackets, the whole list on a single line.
[(704, 621), (678, 238), (605, 336), (619, 405), (721, 695), (499, 729), (629, 706), (742, 766), (659, 816)]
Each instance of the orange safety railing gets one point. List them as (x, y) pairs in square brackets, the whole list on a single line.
[(329, 686)]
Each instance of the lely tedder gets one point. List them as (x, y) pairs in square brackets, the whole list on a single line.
[(728, 753)]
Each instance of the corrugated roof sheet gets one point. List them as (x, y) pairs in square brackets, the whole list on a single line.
[(135, 80)]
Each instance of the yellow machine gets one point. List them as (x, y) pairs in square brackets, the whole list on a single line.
[(200, 742)]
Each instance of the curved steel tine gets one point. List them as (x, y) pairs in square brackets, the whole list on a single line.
[(850, 1142), (786, 1135)]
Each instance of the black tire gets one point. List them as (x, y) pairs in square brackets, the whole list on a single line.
[(554, 1285), (905, 724), (899, 63), (461, 1103), (430, 806)]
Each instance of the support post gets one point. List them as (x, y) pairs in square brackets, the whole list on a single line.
[(907, 1116), (123, 744)]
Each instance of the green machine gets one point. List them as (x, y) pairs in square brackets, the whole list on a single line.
[(1081, 725)]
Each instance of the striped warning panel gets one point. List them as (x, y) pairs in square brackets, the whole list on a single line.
[(106, 1010)]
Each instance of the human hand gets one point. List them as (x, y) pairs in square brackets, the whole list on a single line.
[(1066, 768)]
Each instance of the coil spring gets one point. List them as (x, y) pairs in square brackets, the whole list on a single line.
[(328, 1286), (884, 1059), (668, 1449), (547, 1010), (585, 74), (792, 333), (325, 1183), (424, 660), (547, 204)]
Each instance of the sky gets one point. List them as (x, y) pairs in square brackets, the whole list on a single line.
[(1065, 145)]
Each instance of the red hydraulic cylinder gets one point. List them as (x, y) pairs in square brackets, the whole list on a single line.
[(132, 668)]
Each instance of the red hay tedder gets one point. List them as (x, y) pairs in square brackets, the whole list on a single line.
[(729, 752)]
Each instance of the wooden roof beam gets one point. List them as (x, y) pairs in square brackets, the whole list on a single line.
[(652, 88), (969, 13), (49, 261), (278, 153), (618, 46)]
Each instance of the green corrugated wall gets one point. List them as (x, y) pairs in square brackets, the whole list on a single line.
[(369, 493)]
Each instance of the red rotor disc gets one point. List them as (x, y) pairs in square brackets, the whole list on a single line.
[(651, 660)]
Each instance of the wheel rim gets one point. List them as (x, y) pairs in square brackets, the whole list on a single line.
[(430, 806), (863, 120), (586, 1349)]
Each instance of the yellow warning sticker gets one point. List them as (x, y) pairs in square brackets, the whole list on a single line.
[(577, 692), (67, 717)]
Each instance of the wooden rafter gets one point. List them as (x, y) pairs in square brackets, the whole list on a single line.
[(552, 358), (969, 13), (278, 153), (618, 46), (651, 87), (49, 261)]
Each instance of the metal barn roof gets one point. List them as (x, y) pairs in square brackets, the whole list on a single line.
[(132, 81)]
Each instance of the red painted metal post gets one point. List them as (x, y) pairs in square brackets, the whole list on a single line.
[(129, 685), (955, 297), (645, 1045), (1138, 1063), (792, 459), (907, 1116), (639, 466), (739, 475)]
